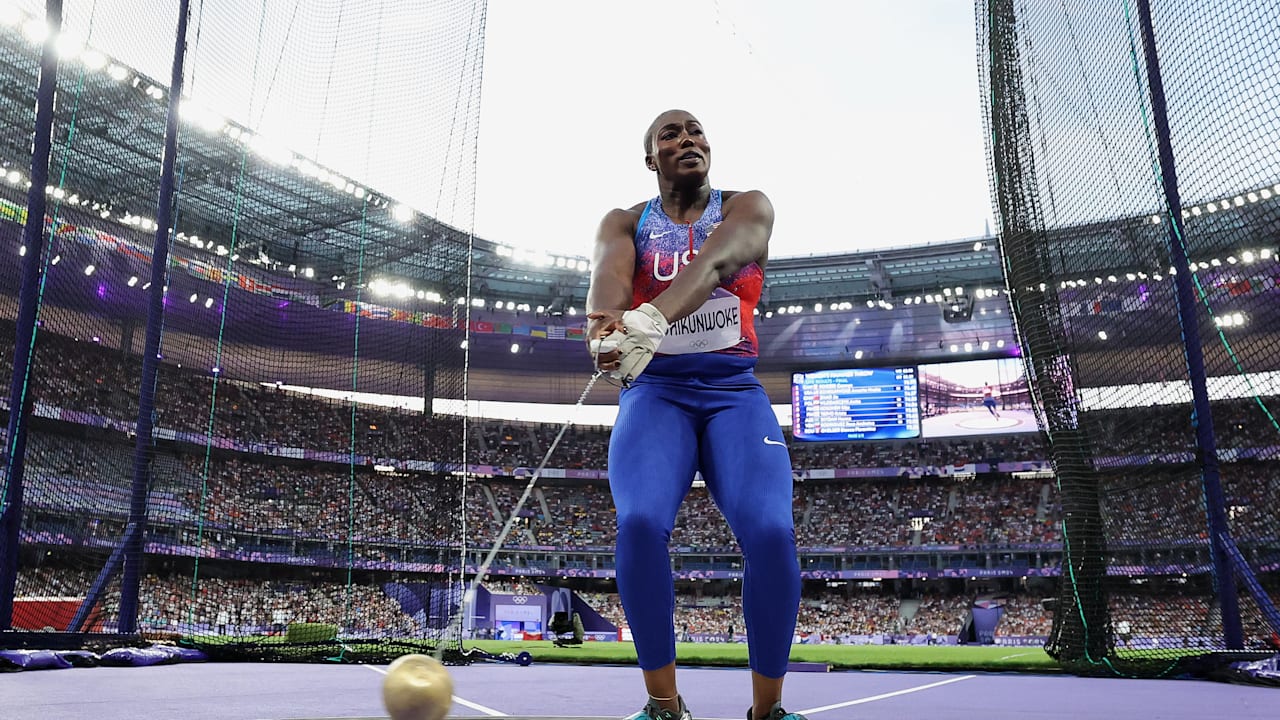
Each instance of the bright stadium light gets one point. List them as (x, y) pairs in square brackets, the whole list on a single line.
[(35, 30), (93, 59), (22, 251), (955, 348), (977, 247), (133, 281), (10, 15), (463, 344), (968, 347), (583, 266), (541, 309), (1102, 334), (857, 355), (515, 347), (817, 307), (573, 310), (986, 345), (14, 177), (309, 272), (56, 259), (193, 297), (208, 303), (88, 269), (999, 343), (1265, 253), (477, 302), (1247, 256), (69, 46), (402, 213)]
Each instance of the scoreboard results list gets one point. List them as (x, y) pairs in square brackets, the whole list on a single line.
[(856, 404)]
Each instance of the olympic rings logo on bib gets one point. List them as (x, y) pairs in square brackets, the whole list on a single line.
[(716, 325)]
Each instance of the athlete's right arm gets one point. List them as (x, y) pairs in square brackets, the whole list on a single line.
[(612, 270)]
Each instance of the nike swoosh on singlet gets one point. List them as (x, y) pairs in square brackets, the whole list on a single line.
[(767, 441), (654, 236)]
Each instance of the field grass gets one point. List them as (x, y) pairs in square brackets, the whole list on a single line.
[(963, 658), (841, 657)]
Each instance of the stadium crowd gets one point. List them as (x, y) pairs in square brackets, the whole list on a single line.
[(210, 605), (329, 501), (217, 606), (241, 492)]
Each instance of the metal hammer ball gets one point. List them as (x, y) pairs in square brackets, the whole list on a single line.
[(417, 687)]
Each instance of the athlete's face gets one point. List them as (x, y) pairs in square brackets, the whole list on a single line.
[(680, 148)]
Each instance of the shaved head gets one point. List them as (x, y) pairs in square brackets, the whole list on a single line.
[(657, 123)]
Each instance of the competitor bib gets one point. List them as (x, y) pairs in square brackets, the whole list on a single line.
[(716, 325)]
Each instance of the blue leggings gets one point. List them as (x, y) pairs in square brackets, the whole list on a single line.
[(667, 428)]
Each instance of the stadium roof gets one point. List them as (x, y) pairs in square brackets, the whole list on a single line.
[(932, 302)]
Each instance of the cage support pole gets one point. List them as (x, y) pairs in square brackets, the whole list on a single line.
[(151, 349), (34, 239), (1206, 444)]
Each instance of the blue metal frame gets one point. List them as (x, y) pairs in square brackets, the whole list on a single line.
[(34, 240), (133, 540), (1206, 443)]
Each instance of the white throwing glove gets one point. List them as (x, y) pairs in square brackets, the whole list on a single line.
[(608, 343), (645, 326)]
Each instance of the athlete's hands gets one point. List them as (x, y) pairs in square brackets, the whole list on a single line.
[(604, 335), (644, 327), (623, 342)]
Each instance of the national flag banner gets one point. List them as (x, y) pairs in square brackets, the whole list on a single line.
[(538, 331), (1241, 287), (401, 315), (481, 326), (502, 328), (555, 332), (576, 333), (521, 330)]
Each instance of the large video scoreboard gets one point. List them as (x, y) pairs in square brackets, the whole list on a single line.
[(955, 399), (856, 404)]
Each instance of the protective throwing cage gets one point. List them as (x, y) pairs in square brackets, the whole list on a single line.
[(1132, 149), (204, 204)]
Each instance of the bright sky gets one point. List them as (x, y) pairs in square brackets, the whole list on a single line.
[(860, 119)]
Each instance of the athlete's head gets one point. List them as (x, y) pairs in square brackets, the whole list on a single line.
[(676, 148)]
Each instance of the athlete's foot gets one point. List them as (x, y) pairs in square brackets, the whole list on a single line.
[(776, 713), (653, 711)]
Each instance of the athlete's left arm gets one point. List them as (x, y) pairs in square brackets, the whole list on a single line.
[(741, 239)]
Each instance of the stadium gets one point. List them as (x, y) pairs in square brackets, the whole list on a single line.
[(283, 417)]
